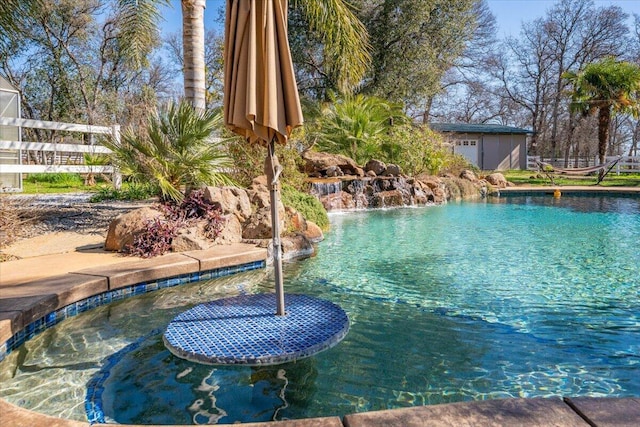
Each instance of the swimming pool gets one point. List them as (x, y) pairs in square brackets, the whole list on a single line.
[(518, 298)]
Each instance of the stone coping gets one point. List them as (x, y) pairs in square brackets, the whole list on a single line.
[(21, 301), (536, 412), (566, 189)]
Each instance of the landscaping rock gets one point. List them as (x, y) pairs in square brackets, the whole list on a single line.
[(232, 200), (333, 171), (385, 199), (497, 179), (375, 166), (296, 223), (231, 232), (258, 226), (296, 246), (313, 232), (392, 170), (124, 227), (469, 175), (190, 239), (421, 193), (337, 201), (318, 163)]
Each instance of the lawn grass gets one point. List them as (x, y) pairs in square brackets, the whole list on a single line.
[(534, 178), (72, 183)]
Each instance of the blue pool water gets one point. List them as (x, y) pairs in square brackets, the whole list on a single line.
[(516, 297)]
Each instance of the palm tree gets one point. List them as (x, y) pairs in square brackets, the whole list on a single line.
[(357, 126), (345, 38), (605, 87), (175, 151)]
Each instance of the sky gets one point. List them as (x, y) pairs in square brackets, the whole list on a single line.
[(510, 14)]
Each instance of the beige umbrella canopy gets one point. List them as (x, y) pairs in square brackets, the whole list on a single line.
[(260, 93), (261, 100)]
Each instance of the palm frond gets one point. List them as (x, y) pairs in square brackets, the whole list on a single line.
[(345, 38), (139, 29)]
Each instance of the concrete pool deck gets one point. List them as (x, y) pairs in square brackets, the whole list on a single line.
[(30, 288)]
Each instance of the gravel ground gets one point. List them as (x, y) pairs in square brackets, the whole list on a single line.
[(67, 212)]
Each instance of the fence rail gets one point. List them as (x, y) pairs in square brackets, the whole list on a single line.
[(626, 164), (67, 158)]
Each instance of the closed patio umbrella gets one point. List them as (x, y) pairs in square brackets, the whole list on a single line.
[(261, 100)]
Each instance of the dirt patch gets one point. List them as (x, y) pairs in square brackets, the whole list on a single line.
[(40, 225)]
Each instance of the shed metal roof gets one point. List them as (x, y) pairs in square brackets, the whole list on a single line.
[(5, 85), (478, 128)]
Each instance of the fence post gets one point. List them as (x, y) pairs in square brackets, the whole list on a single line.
[(116, 176)]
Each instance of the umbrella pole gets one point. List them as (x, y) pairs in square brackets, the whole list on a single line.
[(273, 170)]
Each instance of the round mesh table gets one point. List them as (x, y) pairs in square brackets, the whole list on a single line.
[(245, 330)]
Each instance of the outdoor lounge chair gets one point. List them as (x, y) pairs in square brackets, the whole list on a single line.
[(602, 169)]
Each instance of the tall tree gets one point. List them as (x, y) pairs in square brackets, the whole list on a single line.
[(605, 87), (414, 42), (214, 66), (466, 90), (68, 65), (571, 34)]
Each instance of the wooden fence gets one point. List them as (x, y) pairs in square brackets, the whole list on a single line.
[(64, 157), (626, 164)]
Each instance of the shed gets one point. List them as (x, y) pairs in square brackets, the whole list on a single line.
[(9, 108), (488, 146)]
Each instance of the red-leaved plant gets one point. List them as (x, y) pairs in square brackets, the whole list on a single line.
[(158, 234)]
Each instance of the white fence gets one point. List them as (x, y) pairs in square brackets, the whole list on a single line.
[(65, 158), (626, 164)]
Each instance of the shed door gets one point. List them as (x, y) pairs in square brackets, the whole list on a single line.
[(468, 148)]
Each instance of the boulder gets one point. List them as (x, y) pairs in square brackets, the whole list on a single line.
[(315, 162), (190, 239), (386, 199), (436, 186), (231, 231), (313, 233), (333, 171), (232, 200), (258, 226), (336, 201), (392, 170), (469, 175), (258, 192), (497, 179), (375, 166), (124, 227), (296, 246), (296, 223), (421, 193)]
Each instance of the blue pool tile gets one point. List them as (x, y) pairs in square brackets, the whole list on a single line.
[(253, 334), (55, 317)]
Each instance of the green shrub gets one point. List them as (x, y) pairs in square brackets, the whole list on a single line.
[(129, 191), (248, 162), (419, 150), (310, 207)]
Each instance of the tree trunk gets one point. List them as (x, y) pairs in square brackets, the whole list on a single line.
[(193, 46), (633, 150), (604, 120)]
